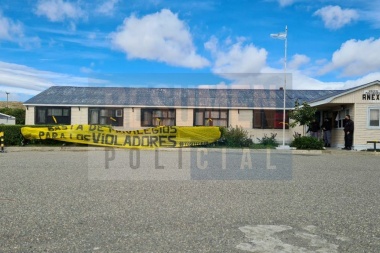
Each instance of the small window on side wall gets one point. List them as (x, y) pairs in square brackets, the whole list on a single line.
[(374, 117), (151, 117), (211, 117), (105, 116), (270, 119), (52, 115)]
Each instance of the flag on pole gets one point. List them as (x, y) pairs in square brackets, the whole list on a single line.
[(281, 36)]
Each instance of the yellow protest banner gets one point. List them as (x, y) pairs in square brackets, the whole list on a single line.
[(149, 138)]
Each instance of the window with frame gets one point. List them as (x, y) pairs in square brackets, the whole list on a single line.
[(105, 116), (373, 117), (52, 115), (157, 117), (270, 119), (210, 117), (340, 118)]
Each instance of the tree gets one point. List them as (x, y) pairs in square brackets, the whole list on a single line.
[(302, 115), (18, 113)]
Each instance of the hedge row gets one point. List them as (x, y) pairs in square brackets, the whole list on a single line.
[(13, 136)]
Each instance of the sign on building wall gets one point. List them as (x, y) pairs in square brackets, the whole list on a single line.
[(371, 95)]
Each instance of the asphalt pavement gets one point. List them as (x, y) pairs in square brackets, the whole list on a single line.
[(198, 200)]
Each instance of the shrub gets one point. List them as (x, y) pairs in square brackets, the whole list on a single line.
[(307, 142), (235, 137), (268, 141), (13, 136)]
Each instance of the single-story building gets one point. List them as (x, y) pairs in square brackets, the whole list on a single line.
[(259, 111), (7, 119)]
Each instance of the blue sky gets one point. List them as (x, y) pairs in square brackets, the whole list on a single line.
[(195, 43)]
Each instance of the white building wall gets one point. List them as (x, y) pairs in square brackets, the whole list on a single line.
[(79, 115), (8, 121), (132, 118), (184, 117), (29, 115)]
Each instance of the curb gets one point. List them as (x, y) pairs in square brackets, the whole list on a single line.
[(230, 150)]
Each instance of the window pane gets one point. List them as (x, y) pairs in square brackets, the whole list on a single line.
[(374, 117), (214, 114), (65, 112), (55, 112), (257, 119), (223, 114), (147, 118), (269, 118), (222, 122), (157, 113), (94, 117), (41, 116), (103, 112), (199, 118), (171, 114)]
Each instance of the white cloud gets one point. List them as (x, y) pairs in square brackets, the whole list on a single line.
[(108, 7), (161, 37), (13, 31), (355, 57), (21, 79), (335, 17), (59, 10), (297, 60), (10, 30), (237, 58)]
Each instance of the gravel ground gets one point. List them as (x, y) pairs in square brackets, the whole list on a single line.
[(49, 203)]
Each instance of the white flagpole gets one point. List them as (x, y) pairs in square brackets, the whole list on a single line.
[(283, 36)]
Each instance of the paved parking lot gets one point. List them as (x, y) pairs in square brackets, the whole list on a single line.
[(120, 201)]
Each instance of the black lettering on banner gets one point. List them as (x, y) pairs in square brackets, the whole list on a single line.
[(63, 136), (172, 141), (156, 163), (79, 127), (145, 141), (166, 130), (40, 134), (115, 141), (92, 128), (109, 139), (54, 135), (173, 130), (96, 137), (127, 141), (131, 164), (136, 141), (162, 141), (108, 158), (155, 130), (47, 135), (147, 131), (153, 141)]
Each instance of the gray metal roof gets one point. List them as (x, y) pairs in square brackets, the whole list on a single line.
[(173, 97), (6, 116)]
